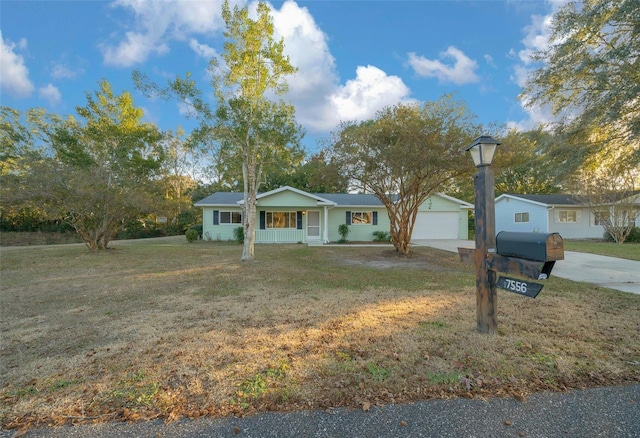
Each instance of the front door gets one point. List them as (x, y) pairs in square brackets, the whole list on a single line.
[(313, 225)]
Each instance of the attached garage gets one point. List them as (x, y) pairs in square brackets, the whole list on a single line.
[(442, 217), (436, 225)]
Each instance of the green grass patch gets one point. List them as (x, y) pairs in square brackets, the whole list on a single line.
[(135, 391), (629, 251), (444, 378), (437, 324), (378, 372)]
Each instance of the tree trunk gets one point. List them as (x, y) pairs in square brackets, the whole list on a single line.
[(400, 236), (250, 194)]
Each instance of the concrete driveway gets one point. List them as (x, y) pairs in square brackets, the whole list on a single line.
[(611, 272)]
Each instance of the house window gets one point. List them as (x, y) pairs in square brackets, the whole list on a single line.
[(600, 218), (281, 219), (522, 217), (230, 217), (361, 217), (567, 216)]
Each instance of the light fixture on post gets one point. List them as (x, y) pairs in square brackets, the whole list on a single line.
[(482, 151)]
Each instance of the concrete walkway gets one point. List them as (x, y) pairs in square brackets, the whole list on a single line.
[(611, 272)]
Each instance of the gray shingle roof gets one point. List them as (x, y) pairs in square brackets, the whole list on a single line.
[(552, 199), (343, 199), (564, 199), (221, 198), (349, 199)]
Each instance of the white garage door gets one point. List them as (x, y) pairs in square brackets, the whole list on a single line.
[(436, 225)]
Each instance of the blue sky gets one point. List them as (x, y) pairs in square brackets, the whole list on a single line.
[(354, 57)]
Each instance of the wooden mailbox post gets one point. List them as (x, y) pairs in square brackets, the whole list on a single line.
[(530, 255)]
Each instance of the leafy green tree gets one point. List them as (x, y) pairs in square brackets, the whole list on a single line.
[(98, 174), (316, 175), (590, 74), (404, 155), (175, 177), (250, 130), (522, 167), (21, 149)]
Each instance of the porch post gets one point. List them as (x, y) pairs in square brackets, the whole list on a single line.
[(325, 225)]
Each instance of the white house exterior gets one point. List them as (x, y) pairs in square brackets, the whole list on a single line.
[(289, 215), (563, 214)]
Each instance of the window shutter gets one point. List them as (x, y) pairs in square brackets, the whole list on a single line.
[(375, 218), (263, 220), (578, 216), (299, 220), (348, 219), (216, 217)]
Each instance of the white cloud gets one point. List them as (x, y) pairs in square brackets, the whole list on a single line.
[(134, 50), (371, 90), (536, 37), (202, 50), (461, 72), (321, 102), (63, 71), (14, 75), (157, 22), (489, 60), (50, 93)]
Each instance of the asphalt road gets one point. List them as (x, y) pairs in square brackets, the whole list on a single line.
[(610, 412)]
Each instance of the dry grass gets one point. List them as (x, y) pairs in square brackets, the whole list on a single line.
[(167, 329)]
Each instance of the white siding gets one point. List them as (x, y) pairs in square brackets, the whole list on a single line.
[(506, 210), (581, 229)]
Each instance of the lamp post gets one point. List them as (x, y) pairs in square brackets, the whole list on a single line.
[(482, 150)]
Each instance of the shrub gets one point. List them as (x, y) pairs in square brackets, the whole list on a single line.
[(633, 237), (381, 236), (343, 230), (238, 234), (198, 228), (191, 235)]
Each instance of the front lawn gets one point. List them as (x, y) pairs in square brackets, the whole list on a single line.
[(166, 329), (629, 251)]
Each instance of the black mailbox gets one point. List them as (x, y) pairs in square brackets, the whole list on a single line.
[(543, 247)]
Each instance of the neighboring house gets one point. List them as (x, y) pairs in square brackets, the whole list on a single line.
[(563, 214), (289, 215)]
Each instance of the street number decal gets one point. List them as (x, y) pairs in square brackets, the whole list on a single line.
[(521, 287)]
